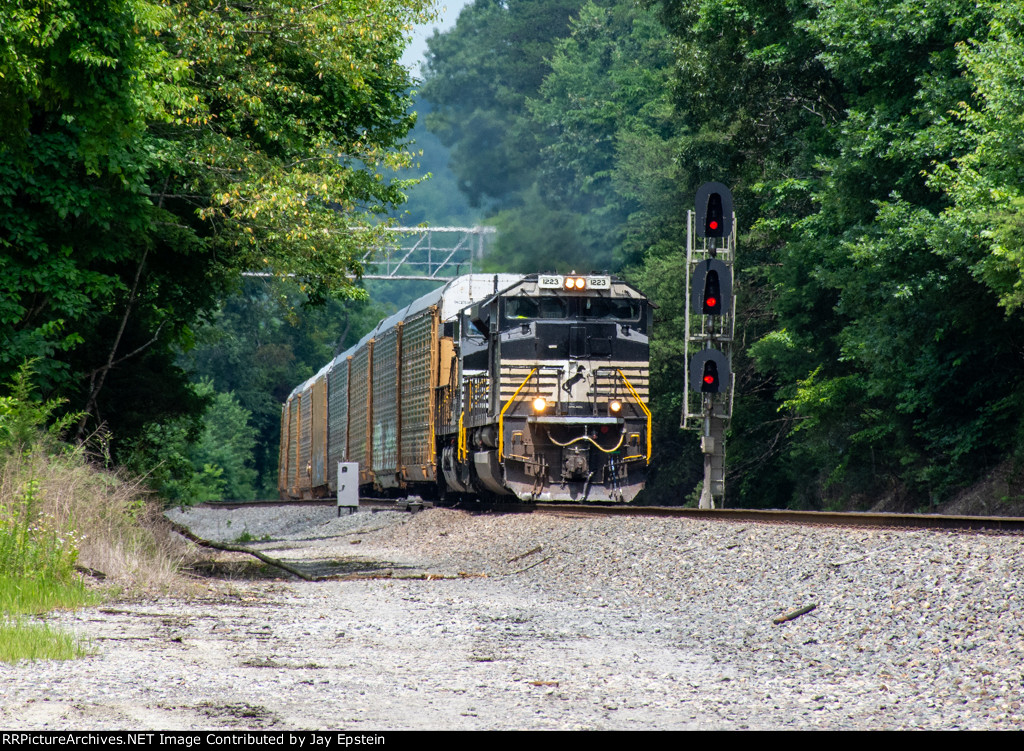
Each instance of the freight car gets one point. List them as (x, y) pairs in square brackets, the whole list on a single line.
[(530, 386)]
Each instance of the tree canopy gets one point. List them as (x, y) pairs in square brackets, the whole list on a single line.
[(873, 149), (150, 151)]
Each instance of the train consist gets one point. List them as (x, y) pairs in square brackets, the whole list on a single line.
[(530, 386)]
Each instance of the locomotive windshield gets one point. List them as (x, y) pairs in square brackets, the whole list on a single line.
[(550, 307), (610, 308), (528, 308)]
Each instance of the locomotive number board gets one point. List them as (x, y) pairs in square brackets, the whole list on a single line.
[(557, 281)]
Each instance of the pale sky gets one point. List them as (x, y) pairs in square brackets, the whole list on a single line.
[(418, 48)]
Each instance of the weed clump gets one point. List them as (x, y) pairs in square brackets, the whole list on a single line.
[(62, 520)]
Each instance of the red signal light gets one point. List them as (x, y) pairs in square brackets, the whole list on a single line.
[(710, 378), (713, 210), (712, 294), (709, 372), (714, 216)]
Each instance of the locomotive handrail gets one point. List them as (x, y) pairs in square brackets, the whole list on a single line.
[(644, 408), (501, 416), (461, 449), (612, 450)]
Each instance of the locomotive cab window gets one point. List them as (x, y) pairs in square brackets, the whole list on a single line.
[(532, 308), (470, 329), (610, 309)]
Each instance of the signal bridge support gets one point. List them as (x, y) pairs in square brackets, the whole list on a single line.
[(423, 254), (427, 253)]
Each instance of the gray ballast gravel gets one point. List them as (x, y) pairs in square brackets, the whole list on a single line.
[(536, 622)]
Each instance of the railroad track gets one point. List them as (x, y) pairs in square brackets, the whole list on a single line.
[(988, 524)]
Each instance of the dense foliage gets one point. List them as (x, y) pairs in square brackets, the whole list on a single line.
[(873, 148), (151, 150), (253, 354)]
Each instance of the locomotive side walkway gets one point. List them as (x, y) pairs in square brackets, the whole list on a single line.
[(445, 620)]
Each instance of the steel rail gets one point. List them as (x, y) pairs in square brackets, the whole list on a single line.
[(819, 518), (1006, 524)]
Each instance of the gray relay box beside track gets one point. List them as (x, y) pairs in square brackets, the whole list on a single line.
[(348, 486)]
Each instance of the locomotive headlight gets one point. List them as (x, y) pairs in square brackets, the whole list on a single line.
[(581, 283), (569, 283), (540, 404), (614, 406)]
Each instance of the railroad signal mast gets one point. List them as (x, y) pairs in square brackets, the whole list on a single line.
[(710, 331)]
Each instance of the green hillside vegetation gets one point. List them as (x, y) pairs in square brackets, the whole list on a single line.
[(152, 150), (873, 149), (63, 520)]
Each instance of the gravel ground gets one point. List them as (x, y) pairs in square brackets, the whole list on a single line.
[(446, 620)]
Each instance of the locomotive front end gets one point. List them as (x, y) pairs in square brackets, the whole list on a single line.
[(554, 391)]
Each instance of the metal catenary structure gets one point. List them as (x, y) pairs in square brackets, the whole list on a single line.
[(428, 253)]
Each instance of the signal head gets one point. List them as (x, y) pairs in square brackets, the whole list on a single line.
[(711, 288), (712, 305), (710, 372), (709, 381), (714, 210)]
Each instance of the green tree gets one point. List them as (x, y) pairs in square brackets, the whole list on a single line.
[(263, 341), (151, 151), (984, 225), (477, 79), (79, 83), (436, 200), (222, 456), (880, 364), (893, 363)]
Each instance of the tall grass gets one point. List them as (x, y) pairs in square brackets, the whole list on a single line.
[(70, 513), (37, 574), (59, 516), (37, 558)]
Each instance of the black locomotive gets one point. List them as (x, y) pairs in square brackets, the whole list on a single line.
[(494, 385)]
